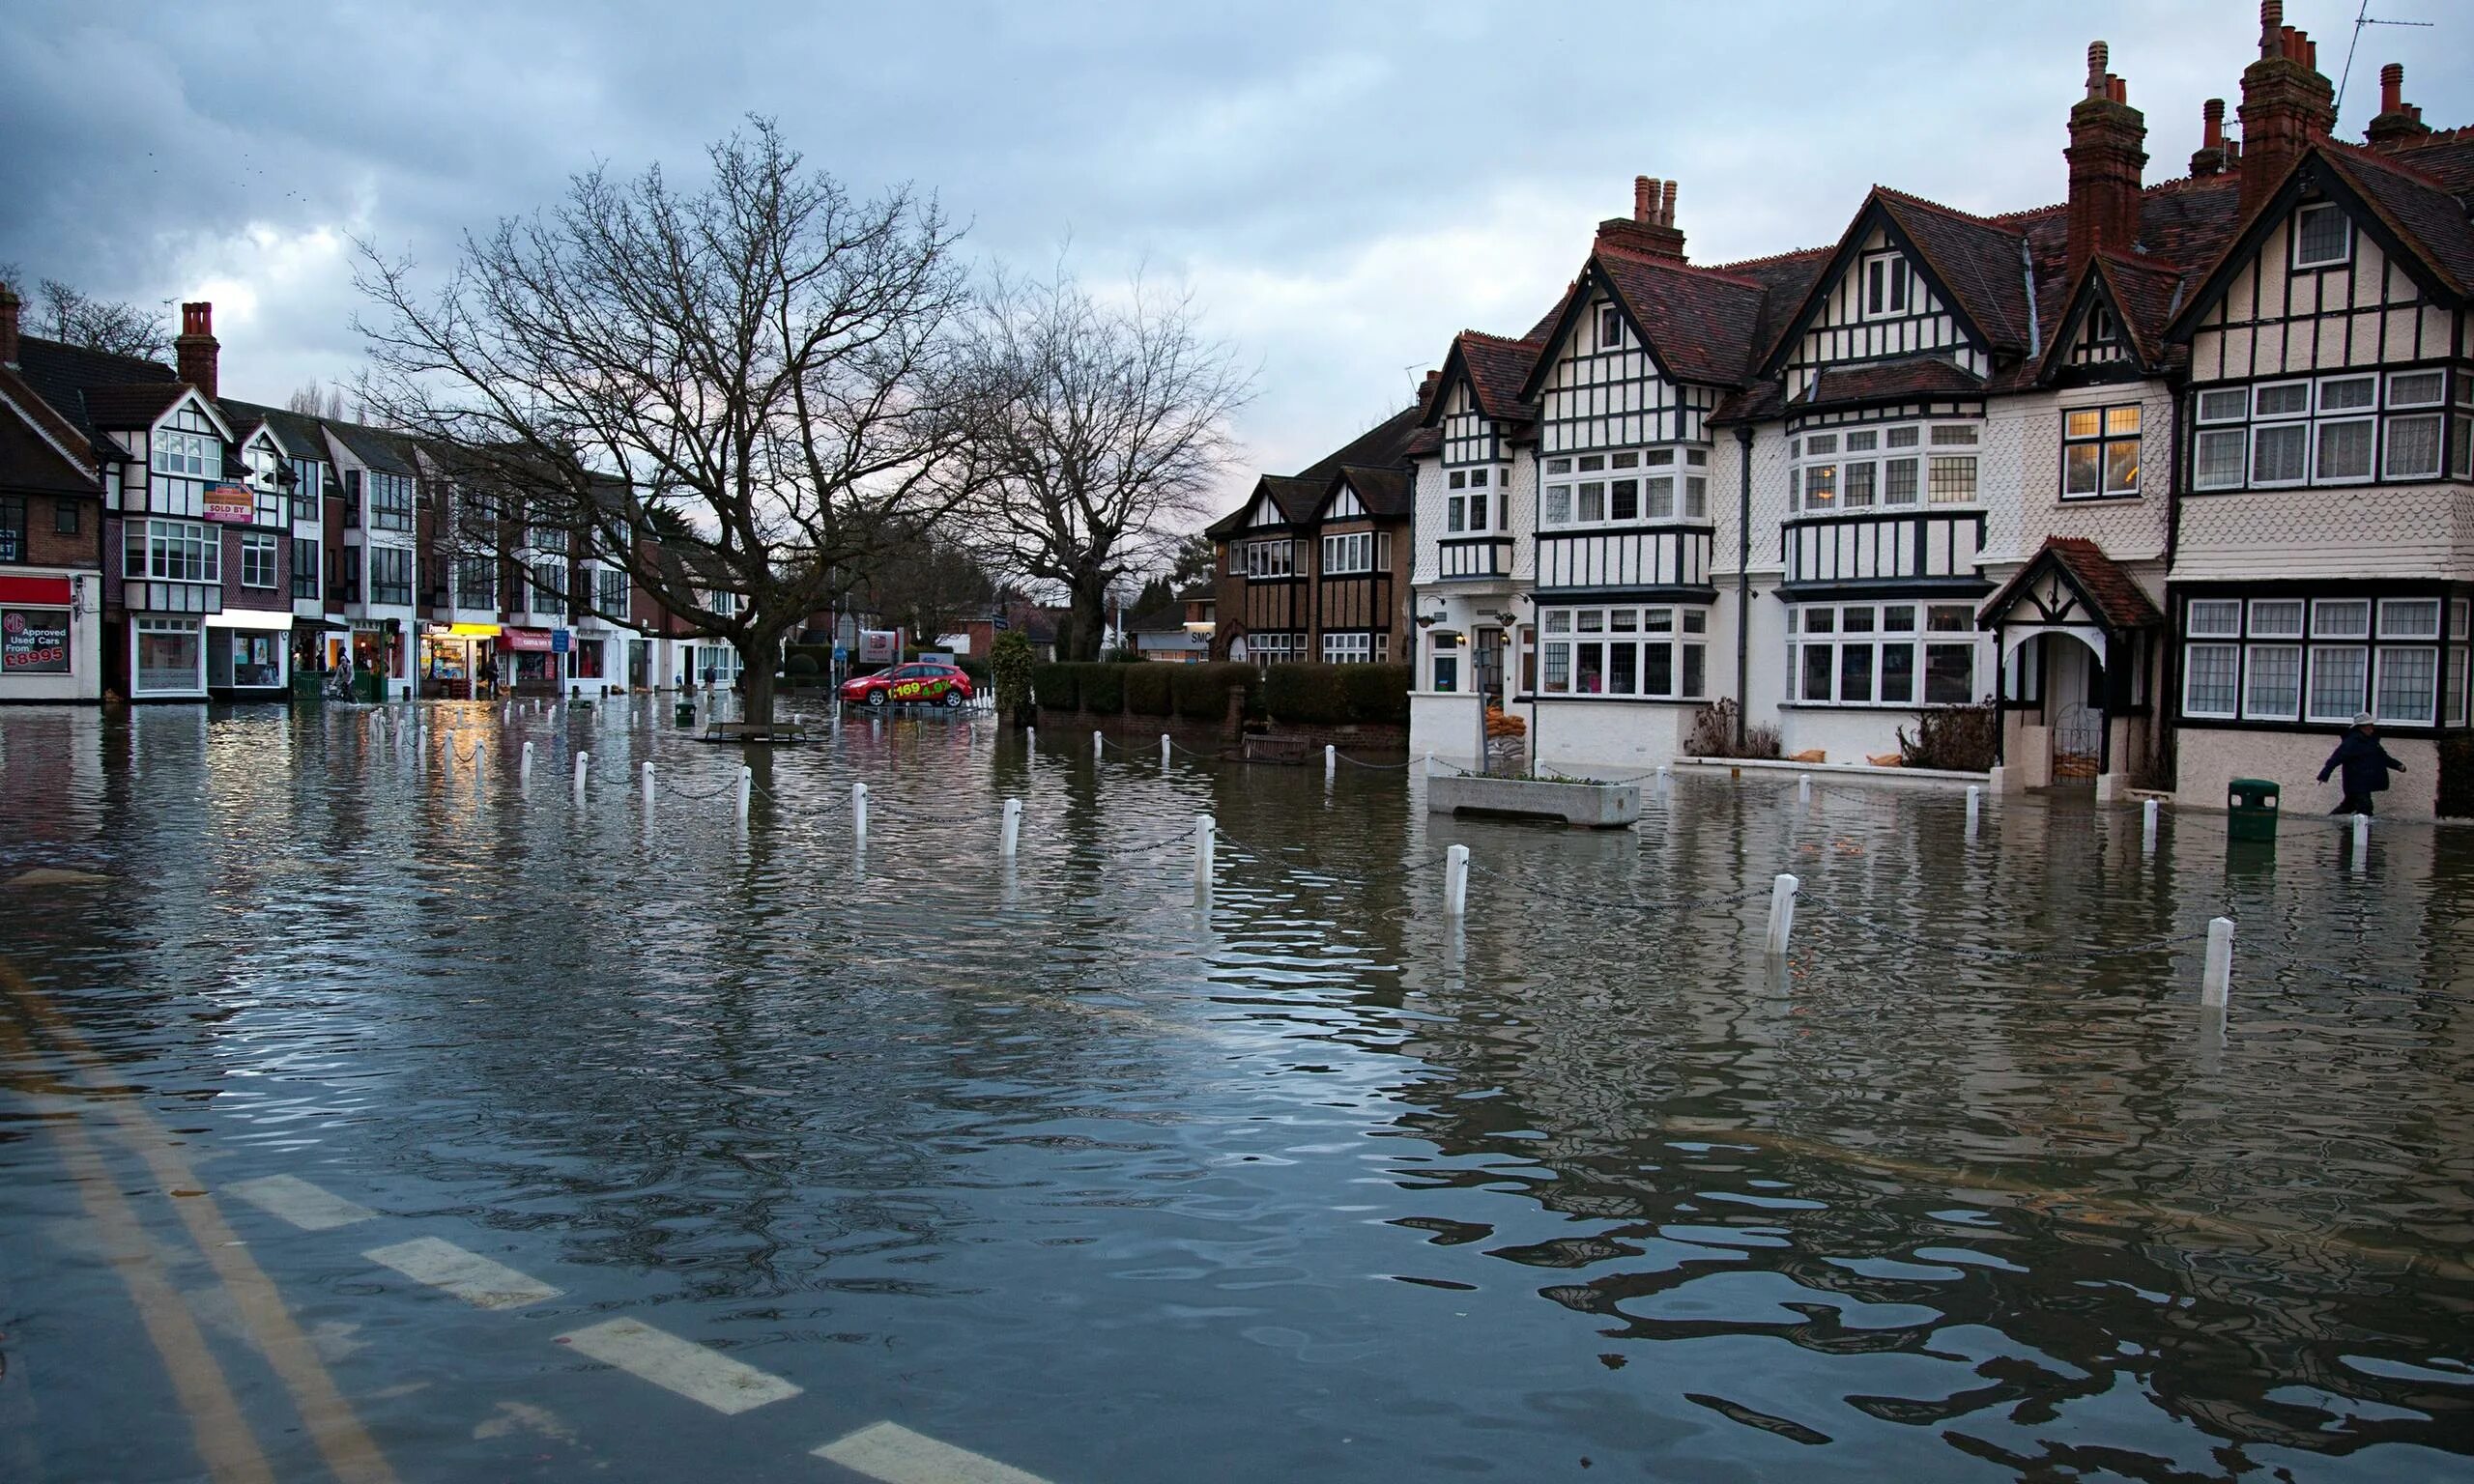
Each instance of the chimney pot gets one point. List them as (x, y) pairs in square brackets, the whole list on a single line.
[(196, 351), (1666, 207), (2392, 87), (2212, 124), (1641, 195), (2097, 55), (8, 325), (2271, 29)]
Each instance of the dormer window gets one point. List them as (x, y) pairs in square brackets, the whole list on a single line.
[(1610, 326), (1885, 285), (2322, 237)]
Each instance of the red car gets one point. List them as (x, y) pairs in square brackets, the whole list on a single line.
[(935, 684)]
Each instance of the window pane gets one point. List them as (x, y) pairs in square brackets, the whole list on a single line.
[(1590, 670), (2414, 389), (1821, 620), (1949, 618), (2341, 618), (2292, 399), (2409, 618), (2348, 394), (2122, 467), (1695, 670), (1620, 665), (1820, 486), (1819, 661), (1658, 670), (1452, 518), (1855, 620), (1624, 499), (1898, 674), (1559, 668), (2217, 463), (2213, 618), (2122, 421), (2281, 619), (2079, 468), (1899, 618), (1950, 480), (2277, 453), (1661, 496), (1949, 674), (1898, 481), (2337, 676), (1954, 435), (2322, 236), (1593, 500), (2274, 690), (2408, 686), (1901, 438), (2081, 422), (1696, 495), (2231, 405), (1855, 673), (1859, 486), (1559, 504), (2414, 447), (2208, 672)]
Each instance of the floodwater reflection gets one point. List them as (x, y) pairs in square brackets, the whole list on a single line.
[(1301, 1183)]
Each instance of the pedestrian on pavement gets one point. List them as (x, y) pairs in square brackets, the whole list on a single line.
[(2365, 766)]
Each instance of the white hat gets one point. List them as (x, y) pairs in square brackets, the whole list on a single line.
[(2362, 718)]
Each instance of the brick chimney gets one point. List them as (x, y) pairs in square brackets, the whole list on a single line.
[(2210, 158), (2107, 140), (1650, 231), (2399, 122), (8, 308), (2286, 105), (194, 349)]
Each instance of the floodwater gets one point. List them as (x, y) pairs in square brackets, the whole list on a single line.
[(1047, 1163)]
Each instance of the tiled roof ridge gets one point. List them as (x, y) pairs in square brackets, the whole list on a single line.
[(155, 370), (2002, 223), (2461, 134), (1773, 259), (2363, 154), (1677, 265), (1508, 342)]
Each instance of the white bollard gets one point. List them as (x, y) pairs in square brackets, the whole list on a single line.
[(1666, 780), (860, 814), (446, 763), (1032, 742), (1009, 832), (1455, 881), (649, 786), (746, 786), (1331, 762), (1206, 848), (1164, 749), (1803, 789), (1975, 806), (1098, 744), (2216, 980), (2148, 814), (584, 764), (524, 766), (1782, 912), (1429, 764)]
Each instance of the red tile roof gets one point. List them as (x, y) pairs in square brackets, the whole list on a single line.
[(2120, 602)]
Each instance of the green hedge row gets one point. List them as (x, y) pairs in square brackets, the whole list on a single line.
[(1301, 695)]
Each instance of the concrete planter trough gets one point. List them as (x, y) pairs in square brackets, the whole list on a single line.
[(1591, 806)]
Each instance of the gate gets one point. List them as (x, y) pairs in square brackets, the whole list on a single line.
[(2078, 744)]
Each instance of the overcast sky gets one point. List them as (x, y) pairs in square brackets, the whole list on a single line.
[(1344, 184)]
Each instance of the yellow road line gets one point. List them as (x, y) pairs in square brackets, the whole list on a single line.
[(224, 1441), (346, 1446)]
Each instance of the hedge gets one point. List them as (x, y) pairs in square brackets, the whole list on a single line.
[(1202, 689), (1057, 687), (1103, 687), (1146, 689), (1337, 695)]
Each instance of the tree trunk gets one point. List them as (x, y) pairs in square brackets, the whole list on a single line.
[(760, 655), (1091, 620)]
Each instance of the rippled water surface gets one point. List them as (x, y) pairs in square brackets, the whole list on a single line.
[(1047, 1163)]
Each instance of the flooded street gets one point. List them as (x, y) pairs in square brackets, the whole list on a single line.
[(1042, 1162)]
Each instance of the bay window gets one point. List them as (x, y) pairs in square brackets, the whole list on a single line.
[(1465, 504), (1264, 559), (1360, 550), (1626, 487), (172, 551), (2318, 662), (2354, 428), (1860, 468), (1874, 654), (1658, 653)]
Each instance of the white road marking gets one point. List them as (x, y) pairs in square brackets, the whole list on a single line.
[(300, 1202), (897, 1455), (691, 1370), (468, 1275)]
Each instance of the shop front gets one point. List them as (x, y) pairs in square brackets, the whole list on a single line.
[(460, 661), (540, 659), (246, 652), (378, 653), (47, 647)]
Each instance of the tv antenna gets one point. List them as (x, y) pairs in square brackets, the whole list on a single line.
[(2362, 19)]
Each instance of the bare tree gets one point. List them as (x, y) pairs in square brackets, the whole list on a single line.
[(763, 369), (314, 400), (1116, 429), (65, 314), (928, 589)]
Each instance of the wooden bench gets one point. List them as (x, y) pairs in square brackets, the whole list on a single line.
[(743, 733)]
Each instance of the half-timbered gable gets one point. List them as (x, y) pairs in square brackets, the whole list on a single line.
[(1911, 280), (1273, 598)]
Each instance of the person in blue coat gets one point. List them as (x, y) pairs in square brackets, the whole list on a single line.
[(2365, 766)]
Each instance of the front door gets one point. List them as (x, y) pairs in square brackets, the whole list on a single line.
[(1490, 666), (2075, 693)]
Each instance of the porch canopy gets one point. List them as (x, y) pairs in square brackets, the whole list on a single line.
[(2071, 587)]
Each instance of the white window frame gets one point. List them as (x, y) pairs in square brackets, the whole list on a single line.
[(2345, 239), (1880, 626), (1888, 271), (2382, 660), (1353, 648), (258, 555), (2232, 653), (1680, 631)]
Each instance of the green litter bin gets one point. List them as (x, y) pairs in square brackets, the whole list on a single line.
[(2251, 802)]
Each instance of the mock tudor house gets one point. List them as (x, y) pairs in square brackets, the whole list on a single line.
[(1315, 567), (2173, 475), (51, 535)]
